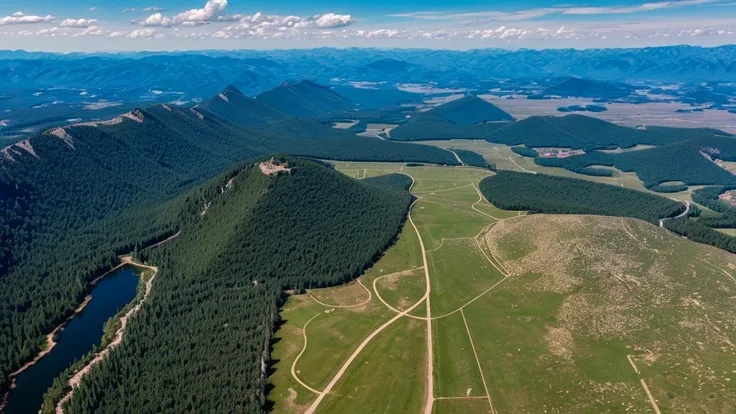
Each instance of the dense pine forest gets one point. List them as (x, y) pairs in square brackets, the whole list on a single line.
[(203, 338), (540, 193), (473, 159), (701, 228), (82, 195), (685, 161)]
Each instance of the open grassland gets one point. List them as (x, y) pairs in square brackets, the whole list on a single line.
[(540, 313), (624, 308), (387, 377), (458, 272)]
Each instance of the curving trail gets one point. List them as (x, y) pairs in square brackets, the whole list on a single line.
[(520, 167), (462, 164), (430, 386), (480, 200), (378, 295), (370, 296), (442, 242), (683, 214), (304, 348)]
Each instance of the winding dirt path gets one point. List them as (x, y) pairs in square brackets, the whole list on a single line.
[(520, 167), (370, 296), (683, 214), (304, 348), (462, 164), (76, 379), (480, 200), (650, 397), (429, 383)]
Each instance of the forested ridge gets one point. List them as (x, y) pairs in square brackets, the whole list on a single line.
[(684, 161), (93, 192), (222, 280), (540, 193)]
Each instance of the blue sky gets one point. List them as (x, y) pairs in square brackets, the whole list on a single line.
[(102, 25)]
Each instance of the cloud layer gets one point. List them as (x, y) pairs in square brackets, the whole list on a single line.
[(78, 22), (20, 18), (558, 10)]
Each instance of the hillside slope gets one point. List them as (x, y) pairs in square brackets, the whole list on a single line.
[(604, 311), (232, 105), (78, 196), (304, 99), (470, 110), (689, 161), (221, 282), (584, 132)]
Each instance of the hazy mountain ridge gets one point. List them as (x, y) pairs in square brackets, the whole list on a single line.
[(207, 72)]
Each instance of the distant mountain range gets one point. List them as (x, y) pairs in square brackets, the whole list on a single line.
[(589, 88), (203, 74), (305, 99)]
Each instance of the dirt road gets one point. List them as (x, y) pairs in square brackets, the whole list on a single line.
[(429, 383)]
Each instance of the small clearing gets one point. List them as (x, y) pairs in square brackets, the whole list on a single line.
[(558, 152), (729, 197), (63, 135), (272, 167), (200, 116)]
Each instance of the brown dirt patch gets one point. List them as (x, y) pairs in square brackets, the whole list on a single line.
[(558, 152), (559, 342), (272, 167), (729, 197)]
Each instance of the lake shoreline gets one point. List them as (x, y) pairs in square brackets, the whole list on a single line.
[(50, 343)]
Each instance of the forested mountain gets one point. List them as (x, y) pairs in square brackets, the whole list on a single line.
[(232, 105), (235, 107), (305, 99), (589, 88), (584, 132), (469, 117), (75, 196), (468, 110), (205, 73), (221, 282), (377, 97)]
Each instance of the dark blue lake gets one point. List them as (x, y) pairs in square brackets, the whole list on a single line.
[(83, 332)]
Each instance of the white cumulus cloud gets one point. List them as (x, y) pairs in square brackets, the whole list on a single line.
[(91, 31), (20, 18), (144, 34), (156, 19), (78, 22)]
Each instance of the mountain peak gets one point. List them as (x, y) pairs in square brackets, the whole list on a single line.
[(231, 89), (305, 98)]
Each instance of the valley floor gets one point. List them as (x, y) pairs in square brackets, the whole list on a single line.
[(477, 309)]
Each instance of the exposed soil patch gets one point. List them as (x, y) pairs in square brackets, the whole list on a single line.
[(272, 167), (729, 197), (558, 152), (11, 150), (200, 116), (559, 342), (63, 135)]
